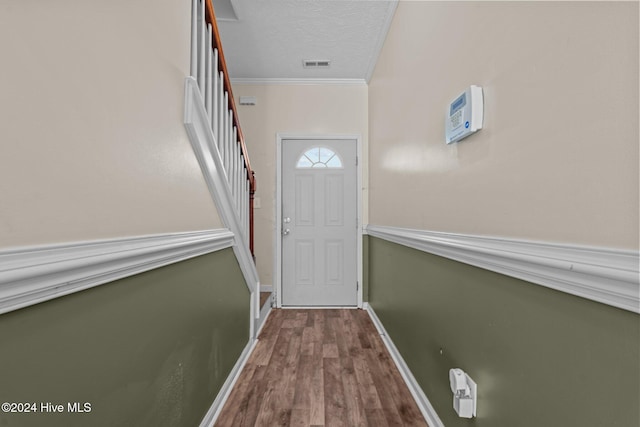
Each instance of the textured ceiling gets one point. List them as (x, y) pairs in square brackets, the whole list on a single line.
[(272, 38)]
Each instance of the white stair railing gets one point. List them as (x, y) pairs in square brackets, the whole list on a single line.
[(208, 68), (211, 121)]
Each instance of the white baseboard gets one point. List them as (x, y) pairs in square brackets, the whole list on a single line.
[(215, 409), (266, 288), (31, 275), (606, 275), (262, 320), (421, 399)]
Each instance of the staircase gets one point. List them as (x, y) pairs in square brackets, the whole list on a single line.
[(211, 120)]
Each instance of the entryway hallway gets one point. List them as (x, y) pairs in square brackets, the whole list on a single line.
[(320, 368)]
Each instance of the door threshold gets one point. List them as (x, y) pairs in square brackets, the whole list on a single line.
[(319, 307)]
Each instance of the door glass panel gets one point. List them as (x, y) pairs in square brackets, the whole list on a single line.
[(334, 162), (325, 154), (319, 157), (304, 162)]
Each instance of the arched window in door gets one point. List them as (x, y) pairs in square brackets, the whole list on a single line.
[(319, 157)]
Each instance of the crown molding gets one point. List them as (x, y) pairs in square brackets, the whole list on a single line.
[(310, 81)]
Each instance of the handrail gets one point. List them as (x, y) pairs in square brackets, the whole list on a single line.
[(211, 19)]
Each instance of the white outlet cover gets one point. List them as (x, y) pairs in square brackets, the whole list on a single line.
[(473, 387)]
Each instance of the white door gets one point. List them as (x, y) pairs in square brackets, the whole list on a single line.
[(319, 223)]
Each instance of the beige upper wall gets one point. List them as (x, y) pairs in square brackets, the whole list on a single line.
[(91, 122), (293, 109), (558, 157)]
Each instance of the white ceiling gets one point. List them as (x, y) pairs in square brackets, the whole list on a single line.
[(270, 38)]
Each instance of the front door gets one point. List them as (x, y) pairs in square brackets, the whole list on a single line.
[(319, 223)]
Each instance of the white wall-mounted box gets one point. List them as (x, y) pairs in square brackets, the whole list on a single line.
[(465, 114)]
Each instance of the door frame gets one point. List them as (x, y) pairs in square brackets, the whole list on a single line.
[(277, 266)]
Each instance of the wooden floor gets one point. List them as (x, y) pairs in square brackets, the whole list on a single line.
[(320, 368)]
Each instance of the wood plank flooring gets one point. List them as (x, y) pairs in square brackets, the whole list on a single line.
[(320, 368)]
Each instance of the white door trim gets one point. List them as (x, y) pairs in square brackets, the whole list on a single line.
[(277, 267)]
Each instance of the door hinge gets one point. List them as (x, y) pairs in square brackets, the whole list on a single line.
[(357, 286), (356, 160)]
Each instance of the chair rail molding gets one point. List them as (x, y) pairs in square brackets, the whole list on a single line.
[(608, 276), (30, 275)]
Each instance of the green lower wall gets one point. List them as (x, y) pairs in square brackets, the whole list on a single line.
[(540, 357), (150, 350), (365, 268)]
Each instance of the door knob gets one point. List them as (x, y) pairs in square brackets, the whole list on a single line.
[(286, 231)]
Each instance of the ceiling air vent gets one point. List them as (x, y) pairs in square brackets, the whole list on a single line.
[(316, 63)]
